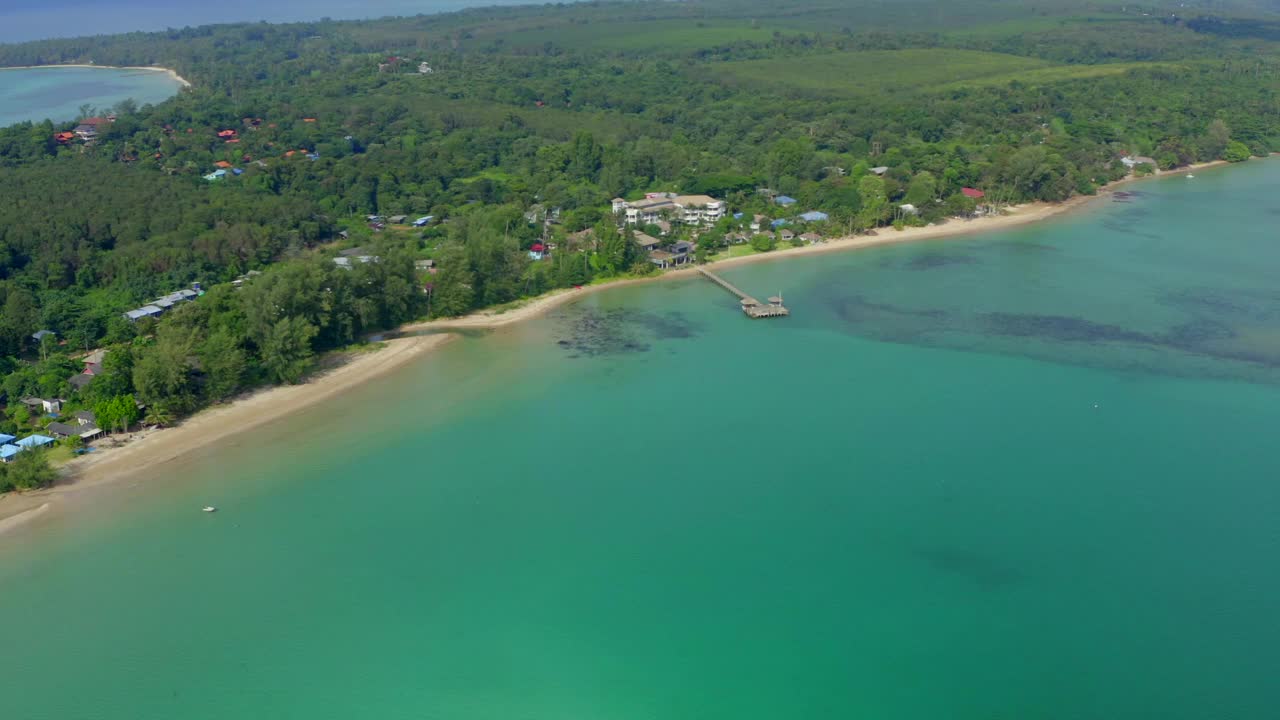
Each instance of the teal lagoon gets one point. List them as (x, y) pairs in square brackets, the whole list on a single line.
[(1024, 475), (56, 93)]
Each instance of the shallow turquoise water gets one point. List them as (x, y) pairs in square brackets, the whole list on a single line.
[(56, 93), (1030, 475)]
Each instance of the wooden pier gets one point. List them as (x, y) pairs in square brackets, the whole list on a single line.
[(750, 306)]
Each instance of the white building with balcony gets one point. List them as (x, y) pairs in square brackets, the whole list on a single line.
[(688, 209)]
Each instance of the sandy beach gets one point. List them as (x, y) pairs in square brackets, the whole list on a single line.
[(152, 68), (152, 448), (1017, 215), (1014, 216)]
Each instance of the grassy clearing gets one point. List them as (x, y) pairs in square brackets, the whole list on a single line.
[(673, 35), (361, 348), (59, 455), (881, 73), (734, 251), (1036, 24), (877, 72), (491, 174), (1049, 75)]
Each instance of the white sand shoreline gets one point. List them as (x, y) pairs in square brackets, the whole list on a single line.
[(14, 521), (153, 448), (152, 68), (1017, 216), (223, 421)]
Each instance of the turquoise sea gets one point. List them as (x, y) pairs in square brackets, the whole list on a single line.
[(1022, 475), (56, 93)]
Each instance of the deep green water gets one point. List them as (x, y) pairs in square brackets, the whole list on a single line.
[(1028, 475), (56, 93)]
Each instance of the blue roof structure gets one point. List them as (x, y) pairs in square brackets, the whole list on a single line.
[(237, 171), (785, 200), (31, 441), (144, 311), (779, 223), (6, 439), (737, 216), (8, 451), (815, 216)]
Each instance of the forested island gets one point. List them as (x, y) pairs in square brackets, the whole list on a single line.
[(321, 181)]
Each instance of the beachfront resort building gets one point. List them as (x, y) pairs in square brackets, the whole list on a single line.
[(347, 258), (11, 447), (657, 207), (87, 130), (157, 307), (82, 430), (679, 253), (1133, 161)]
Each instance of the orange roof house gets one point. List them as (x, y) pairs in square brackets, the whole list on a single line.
[(222, 164), (291, 153), (64, 137), (308, 119), (233, 140), (226, 133)]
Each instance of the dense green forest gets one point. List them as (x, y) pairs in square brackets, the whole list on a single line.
[(556, 108)]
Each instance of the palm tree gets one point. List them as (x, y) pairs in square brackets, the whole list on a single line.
[(158, 416)]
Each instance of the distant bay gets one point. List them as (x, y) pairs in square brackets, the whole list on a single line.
[(24, 20), (56, 93)]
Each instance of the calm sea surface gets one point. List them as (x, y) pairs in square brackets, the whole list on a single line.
[(22, 20), (1026, 475), (56, 93)]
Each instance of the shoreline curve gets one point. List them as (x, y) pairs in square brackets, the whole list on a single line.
[(151, 68), (220, 422)]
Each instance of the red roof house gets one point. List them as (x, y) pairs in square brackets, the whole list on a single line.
[(226, 133), (972, 193)]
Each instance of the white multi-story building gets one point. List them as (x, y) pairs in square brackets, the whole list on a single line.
[(689, 209), (700, 209)]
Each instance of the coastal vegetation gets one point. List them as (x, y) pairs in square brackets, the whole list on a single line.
[(524, 125), (28, 471)]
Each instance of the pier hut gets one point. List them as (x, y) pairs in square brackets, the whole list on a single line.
[(751, 307)]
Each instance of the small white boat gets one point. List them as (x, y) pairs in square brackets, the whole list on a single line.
[(210, 508), (1190, 176)]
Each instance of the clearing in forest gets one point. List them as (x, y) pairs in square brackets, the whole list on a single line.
[(892, 72), (673, 35)]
